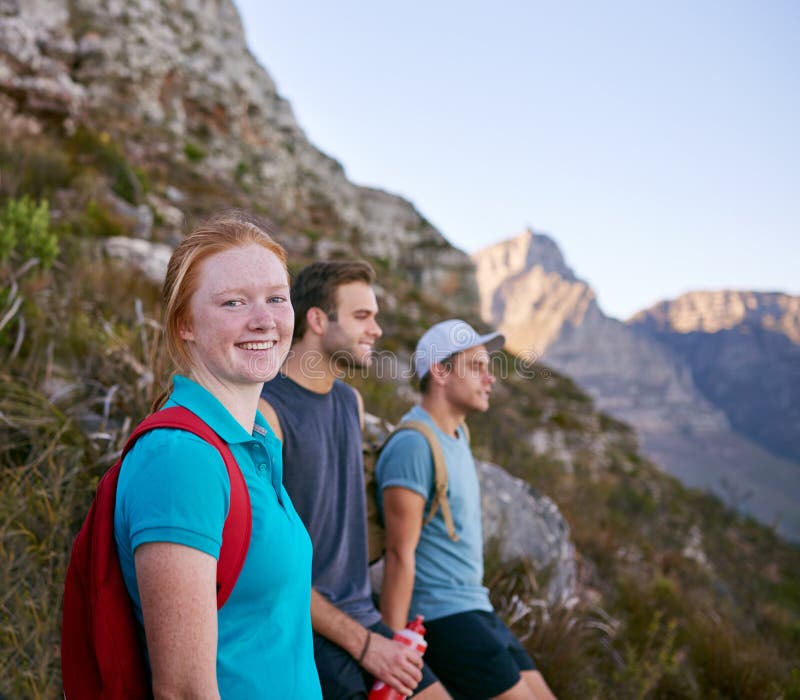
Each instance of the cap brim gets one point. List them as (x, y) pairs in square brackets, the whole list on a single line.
[(493, 341)]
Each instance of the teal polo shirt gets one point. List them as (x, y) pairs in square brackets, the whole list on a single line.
[(174, 488), (449, 575)]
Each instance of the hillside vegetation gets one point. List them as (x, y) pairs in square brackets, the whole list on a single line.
[(679, 596)]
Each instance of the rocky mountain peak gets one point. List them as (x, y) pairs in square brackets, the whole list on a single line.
[(525, 278), (523, 252)]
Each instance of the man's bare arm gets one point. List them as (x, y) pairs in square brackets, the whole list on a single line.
[(402, 512)]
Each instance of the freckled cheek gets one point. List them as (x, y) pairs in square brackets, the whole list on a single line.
[(285, 321)]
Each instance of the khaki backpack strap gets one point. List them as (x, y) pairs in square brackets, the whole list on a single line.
[(440, 475)]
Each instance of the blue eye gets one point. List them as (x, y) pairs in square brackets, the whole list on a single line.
[(276, 300), (233, 302)]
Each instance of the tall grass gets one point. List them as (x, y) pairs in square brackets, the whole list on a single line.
[(44, 486), (80, 364), (52, 452)]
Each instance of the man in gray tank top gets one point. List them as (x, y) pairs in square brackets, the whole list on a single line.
[(319, 418)]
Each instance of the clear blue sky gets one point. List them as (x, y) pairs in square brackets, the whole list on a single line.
[(657, 142)]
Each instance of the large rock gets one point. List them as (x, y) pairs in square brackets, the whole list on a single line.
[(521, 523), (151, 259)]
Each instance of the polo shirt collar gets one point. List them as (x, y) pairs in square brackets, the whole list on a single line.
[(209, 409)]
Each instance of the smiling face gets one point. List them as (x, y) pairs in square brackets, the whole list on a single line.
[(468, 384), (352, 331), (240, 321)]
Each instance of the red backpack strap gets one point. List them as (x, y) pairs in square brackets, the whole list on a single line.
[(239, 523)]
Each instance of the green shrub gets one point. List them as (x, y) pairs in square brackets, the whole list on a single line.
[(194, 152), (730, 664), (630, 501), (27, 246), (36, 168), (98, 150), (649, 669), (566, 421), (25, 232), (98, 221)]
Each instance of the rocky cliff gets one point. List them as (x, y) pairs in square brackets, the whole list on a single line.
[(743, 349), (174, 82), (529, 292)]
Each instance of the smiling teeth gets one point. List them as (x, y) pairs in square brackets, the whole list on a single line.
[(257, 346)]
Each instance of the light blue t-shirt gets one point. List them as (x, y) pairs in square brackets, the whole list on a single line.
[(449, 575), (174, 487)]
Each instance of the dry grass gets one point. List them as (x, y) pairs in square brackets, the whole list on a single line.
[(77, 373), (44, 489)]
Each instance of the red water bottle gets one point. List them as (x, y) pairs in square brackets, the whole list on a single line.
[(412, 636)]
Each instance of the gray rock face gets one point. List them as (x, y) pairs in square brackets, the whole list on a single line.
[(524, 524), (151, 259), (544, 310), (173, 76), (743, 349), (35, 49)]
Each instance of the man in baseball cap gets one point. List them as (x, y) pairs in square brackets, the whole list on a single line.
[(447, 338), (429, 570)]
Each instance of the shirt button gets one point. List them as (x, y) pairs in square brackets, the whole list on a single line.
[(262, 467)]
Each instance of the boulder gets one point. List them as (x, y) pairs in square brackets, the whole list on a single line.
[(151, 259), (521, 523)]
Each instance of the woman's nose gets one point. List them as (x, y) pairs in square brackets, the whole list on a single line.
[(262, 318)]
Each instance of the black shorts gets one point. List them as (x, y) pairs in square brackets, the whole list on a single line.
[(342, 678), (475, 655)]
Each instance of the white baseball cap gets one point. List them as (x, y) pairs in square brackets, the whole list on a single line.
[(447, 338)]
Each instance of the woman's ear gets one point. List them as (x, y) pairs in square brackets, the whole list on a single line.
[(317, 320), (185, 330)]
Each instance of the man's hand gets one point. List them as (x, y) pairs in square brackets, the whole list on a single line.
[(393, 663)]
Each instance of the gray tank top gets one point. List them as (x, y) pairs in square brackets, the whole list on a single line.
[(323, 472)]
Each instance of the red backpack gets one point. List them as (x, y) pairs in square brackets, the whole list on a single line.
[(101, 649)]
